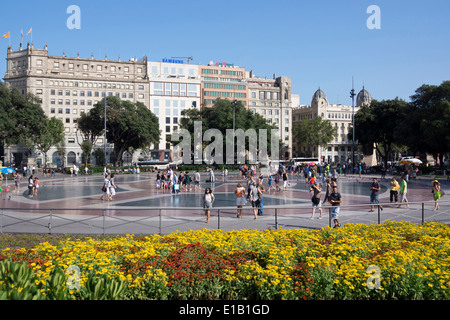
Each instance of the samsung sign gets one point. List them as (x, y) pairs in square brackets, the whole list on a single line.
[(173, 61)]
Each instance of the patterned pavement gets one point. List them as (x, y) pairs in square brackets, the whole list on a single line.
[(72, 204)]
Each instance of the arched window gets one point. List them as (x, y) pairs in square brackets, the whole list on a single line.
[(71, 158)]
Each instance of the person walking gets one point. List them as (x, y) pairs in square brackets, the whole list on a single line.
[(105, 187), (270, 182), (315, 199), (197, 181), (250, 183), (187, 181), (240, 199), (374, 195), (254, 199), (260, 205), (394, 185), (403, 191), (111, 188), (285, 180), (30, 186), (158, 180), (208, 200), (335, 200), (328, 192), (436, 194), (35, 186), (277, 182), (16, 182)]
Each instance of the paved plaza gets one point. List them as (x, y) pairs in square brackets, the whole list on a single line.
[(72, 204)]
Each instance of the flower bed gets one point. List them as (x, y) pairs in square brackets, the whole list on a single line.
[(388, 261)]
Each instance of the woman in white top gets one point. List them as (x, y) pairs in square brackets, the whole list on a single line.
[(208, 200), (105, 187), (111, 188)]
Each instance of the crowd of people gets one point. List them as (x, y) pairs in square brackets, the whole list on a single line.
[(252, 188), (169, 180), (322, 180)]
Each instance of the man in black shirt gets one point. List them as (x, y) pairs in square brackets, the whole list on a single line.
[(335, 200)]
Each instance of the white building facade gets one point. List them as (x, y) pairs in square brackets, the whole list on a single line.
[(340, 150), (174, 88)]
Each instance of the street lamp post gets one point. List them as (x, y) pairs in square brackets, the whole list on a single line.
[(352, 95), (104, 136), (234, 119)]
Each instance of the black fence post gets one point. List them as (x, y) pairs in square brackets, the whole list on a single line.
[(276, 219), (379, 214), (329, 216), (160, 231), (218, 219), (423, 213)]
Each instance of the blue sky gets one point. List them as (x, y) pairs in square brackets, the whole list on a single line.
[(316, 43)]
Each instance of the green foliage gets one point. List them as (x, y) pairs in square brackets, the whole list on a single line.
[(129, 126), (86, 148), (220, 117), (17, 282), (51, 134), (430, 110), (378, 122), (422, 126), (21, 117), (103, 288), (312, 133)]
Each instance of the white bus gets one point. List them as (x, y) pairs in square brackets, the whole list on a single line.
[(304, 161)]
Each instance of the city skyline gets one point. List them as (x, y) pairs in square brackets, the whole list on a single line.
[(317, 45)]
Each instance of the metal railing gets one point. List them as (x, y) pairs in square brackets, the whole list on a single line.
[(166, 220)]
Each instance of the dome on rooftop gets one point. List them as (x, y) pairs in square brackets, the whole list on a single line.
[(363, 98), (319, 95)]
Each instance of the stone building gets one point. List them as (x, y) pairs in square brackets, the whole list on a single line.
[(69, 86), (341, 116), (272, 99)]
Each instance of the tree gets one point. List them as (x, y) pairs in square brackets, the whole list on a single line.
[(431, 111), (313, 133), (220, 117), (128, 125), (51, 134), (377, 123), (88, 126), (86, 147), (21, 117)]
